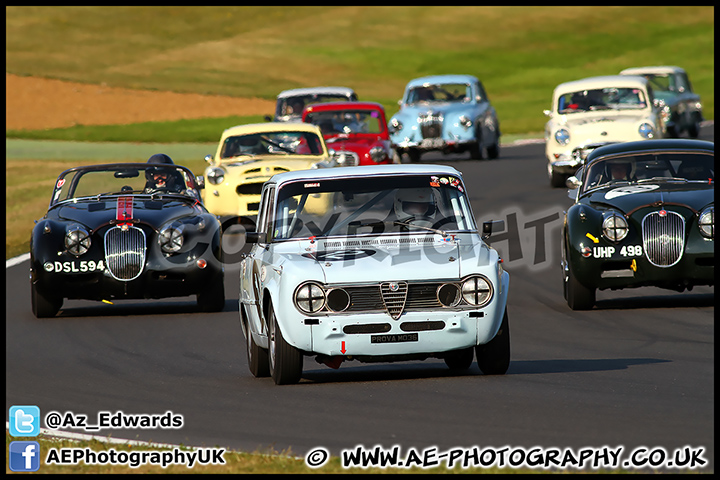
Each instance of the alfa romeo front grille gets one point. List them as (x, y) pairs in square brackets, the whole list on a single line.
[(125, 248), (663, 237), (394, 295)]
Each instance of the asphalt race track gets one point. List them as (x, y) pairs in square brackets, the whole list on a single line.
[(636, 371)]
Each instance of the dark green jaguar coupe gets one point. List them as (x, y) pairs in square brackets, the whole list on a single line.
[(644, 215)]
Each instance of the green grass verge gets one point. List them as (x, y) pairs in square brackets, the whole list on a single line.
[(520, 53)]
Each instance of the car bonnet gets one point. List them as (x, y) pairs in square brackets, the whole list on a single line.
[(629, 197), (413, 257), (95, 213)]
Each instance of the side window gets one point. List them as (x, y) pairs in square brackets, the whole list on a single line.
[(266, 214), (683, 84), (481, 92)]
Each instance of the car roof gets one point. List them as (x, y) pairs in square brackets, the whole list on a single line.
[(344, 106), (364, 171), (628, 81), (271, 127), (652, 70), (449, 78), (316, 90), (658, 145)]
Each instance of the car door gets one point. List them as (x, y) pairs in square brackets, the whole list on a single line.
[(256, 263)]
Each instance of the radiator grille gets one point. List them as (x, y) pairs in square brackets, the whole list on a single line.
[(663, 237), (431, 125), (394, 295), (347, 158), (370, 298), (125, 252), (249, 188)]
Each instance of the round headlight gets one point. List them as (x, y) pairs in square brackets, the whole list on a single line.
[(378, 154), (562, 137), (77, 240), (396, 124), (615, 227), (448, 294), (477, 291), (646, 130), (338, 300), (465, 121), (216, 175), (309, 297), (706, 223), (171, 238)]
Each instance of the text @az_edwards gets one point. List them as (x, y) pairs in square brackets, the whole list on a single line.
[(118, 419)]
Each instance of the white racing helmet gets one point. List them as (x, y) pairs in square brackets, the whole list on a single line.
[(415, 202)]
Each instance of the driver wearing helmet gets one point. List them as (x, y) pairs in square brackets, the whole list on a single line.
[(415, 206), (619, 171), (160, 178)]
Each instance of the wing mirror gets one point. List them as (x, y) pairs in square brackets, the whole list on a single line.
[(547, 113), (487, 227), (573, 182), (209, 158)]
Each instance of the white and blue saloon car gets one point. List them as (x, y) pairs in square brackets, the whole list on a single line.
[(372, 263), (446, 113)]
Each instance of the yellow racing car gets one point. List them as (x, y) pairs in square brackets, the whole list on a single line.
[(247, 156)]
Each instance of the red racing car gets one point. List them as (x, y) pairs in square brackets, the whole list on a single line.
[(356, 133)]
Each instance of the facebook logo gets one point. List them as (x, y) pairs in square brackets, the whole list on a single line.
[(24, 456), (24, 421)]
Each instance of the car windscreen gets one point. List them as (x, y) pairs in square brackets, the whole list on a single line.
[(650, 167), (266, 143), (333, 122), (609, 98), (371, 205), (294, 105), (442, 92), (123, 180)]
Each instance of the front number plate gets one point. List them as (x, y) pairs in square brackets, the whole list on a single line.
[(432, 143), (394, 338)]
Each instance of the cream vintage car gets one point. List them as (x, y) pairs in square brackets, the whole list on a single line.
[(679, 105), (597, 111), (247, 156)]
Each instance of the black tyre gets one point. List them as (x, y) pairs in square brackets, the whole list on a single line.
[(212, 299), (493, 358), (44, 306), (579, 297), (414, 155), (459, 359), (557, 179), (694, 129), (285, 361), (493, 151), (257, 357)]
